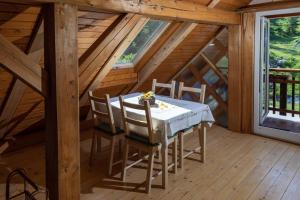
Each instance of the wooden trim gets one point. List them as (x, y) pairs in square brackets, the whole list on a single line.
[(62, 102), (166, 9)]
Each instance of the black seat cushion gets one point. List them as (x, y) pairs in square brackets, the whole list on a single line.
[(104, 127), (141, 139)]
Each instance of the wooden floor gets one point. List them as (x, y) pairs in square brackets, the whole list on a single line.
[(238, 167)]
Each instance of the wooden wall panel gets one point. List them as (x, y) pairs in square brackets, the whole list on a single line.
[(17, 22), (90, 26), (120, 77)]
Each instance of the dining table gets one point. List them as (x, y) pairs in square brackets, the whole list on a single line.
[(169, 116)]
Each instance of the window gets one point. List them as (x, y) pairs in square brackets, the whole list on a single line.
[(141, 43)]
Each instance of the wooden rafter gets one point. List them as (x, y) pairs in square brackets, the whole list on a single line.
[(90, 68), (114, 57), (35, 52), (20, 64), (179, 35), (170, 9), (199, 77), (214, 68)]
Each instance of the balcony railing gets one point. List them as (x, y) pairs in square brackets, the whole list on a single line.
[(284, 91)]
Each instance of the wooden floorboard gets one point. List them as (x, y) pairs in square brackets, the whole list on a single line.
[(238, 166)]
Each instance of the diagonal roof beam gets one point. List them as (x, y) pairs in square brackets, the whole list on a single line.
[(92, 65), (167, 9), (35, 52), (117, 46), (197, 55), (179, 35), (20, 64)]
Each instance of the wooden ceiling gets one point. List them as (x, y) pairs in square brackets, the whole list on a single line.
[(100, 37)]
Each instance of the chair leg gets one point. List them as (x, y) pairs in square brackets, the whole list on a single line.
[(93, 146), (99, 144), (174, 155), (125, 158), (150, 171), (111, 159), (120, 147), (202, 141), (181, 141), (165, 165)]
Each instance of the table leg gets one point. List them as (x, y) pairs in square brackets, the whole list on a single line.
[(202, 141), (164, 152)]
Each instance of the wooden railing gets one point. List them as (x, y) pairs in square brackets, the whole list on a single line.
[(284, 91)]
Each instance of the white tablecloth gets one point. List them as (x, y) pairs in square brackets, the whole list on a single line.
[(169, 117)]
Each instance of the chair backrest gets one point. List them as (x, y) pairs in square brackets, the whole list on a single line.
[(200, 91), (100, 115), (171, 86), (144, 124)]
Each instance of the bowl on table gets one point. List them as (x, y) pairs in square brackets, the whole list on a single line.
[(149, 96)]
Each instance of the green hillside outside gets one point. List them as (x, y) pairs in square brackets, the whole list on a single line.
[(285, 52)]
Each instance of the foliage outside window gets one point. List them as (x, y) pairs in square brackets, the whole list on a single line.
[(145, 37)]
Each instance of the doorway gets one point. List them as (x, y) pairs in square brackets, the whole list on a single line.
[(277, 74)]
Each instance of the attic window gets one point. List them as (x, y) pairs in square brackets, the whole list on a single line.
[(145, 38)]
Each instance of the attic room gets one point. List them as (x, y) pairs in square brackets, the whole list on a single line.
[(149, 99)]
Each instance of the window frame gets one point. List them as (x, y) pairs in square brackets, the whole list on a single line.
[(147, 46)]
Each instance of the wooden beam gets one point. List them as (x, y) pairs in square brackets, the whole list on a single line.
[(234, 78), (166, 9), (35, 52), (214, 68), (196, 56), (164, 36), (90, 68), (182, 32), (20, 64), (62, 102), (136, 27), (248, 35), (213, 3), (274, 5), (200, 78)]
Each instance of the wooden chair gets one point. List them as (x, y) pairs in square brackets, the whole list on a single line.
[(146, 143), (201, 129), (104, 127), (170, 86)]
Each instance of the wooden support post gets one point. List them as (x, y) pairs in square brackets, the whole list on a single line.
[(62, 102), (248, 70), (234, 78)]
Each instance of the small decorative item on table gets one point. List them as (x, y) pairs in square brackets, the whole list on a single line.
[(150, 96)]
